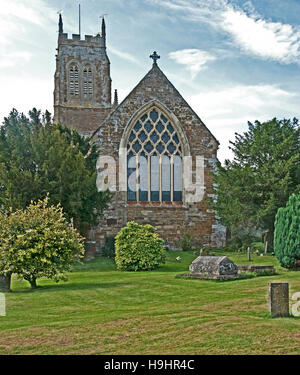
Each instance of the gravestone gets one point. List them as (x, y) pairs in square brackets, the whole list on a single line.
[(256, 268), (213, 267), (4, 283), (2, 305), (279, 299)]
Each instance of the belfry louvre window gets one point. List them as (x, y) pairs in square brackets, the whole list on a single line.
[(154, 153), (74, 81), (87, 81)]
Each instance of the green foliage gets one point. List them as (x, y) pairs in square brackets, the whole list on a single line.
[(257, 246), (263, 174), (138, 248), (186, 242), (287, 232), (241, 240), (38, 157), (38, 242), (108, 249)]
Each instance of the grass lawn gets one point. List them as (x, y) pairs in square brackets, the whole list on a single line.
[(104, 311)]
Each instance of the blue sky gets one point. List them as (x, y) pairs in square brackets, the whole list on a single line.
[(233, 61)]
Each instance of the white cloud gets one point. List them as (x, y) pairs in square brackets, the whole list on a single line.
[(268, 40), (29, 12), (24, 93), (228, 110), (124, 55), (15, 58), (22, 67), (248, 30), (193, 59), (16, 16)]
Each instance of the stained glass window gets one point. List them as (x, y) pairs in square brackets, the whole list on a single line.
[(154, 154)]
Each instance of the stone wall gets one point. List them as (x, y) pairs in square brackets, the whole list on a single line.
[(171, 219), (84, 120), (83, 112)]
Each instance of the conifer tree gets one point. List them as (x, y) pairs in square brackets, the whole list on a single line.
[(38, 157), (287, 232)]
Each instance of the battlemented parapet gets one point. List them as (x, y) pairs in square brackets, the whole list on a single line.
[(82, 94)]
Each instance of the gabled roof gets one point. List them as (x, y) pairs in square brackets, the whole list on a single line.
[(155, 69)]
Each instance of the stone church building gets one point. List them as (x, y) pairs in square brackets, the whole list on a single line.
[(158, 129)]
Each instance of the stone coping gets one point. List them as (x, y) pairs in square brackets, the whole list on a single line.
[(208, 277), (255, 268)]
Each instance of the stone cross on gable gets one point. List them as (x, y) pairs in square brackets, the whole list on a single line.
[(154, 57)]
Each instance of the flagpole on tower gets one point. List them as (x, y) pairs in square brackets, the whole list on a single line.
[(79, 19)]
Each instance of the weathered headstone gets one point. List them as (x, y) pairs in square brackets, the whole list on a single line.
[(2, 305), (279, 299), (4, 283), (266, 247), (213, 267), (249, 254)]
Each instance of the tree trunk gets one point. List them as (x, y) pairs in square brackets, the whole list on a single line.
[(33, 283), (5, 283), (270, 237)]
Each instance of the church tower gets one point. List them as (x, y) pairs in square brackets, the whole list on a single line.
[(82, 93)]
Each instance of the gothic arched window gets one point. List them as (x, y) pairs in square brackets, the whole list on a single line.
[(87, 81), (74, 81), (154, 153)]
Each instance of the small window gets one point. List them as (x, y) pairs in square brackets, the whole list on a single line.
[(87, 83), (74, 81)]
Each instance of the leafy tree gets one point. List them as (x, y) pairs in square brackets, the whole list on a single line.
[(138, 248), (38, 242), (287, 233), (38, 157), (264, 172)]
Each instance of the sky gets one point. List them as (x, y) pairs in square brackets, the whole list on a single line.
[(232, 61)]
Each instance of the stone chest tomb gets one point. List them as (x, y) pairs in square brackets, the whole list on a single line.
[(213, 267)]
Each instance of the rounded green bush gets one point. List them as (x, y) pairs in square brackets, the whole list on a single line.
[(287, 234), (38, 242), (138, 248)]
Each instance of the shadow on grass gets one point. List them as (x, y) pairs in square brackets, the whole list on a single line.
[(102, 264), (241, 276), (69, 286)]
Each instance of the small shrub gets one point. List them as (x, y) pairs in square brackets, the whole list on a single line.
[(186, 242), (257, 246), (138, 248), (287, 234), (108, 249), (38, 242)]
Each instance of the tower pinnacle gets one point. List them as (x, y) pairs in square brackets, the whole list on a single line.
[(103, 31), (60, 24), (116, 101)]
